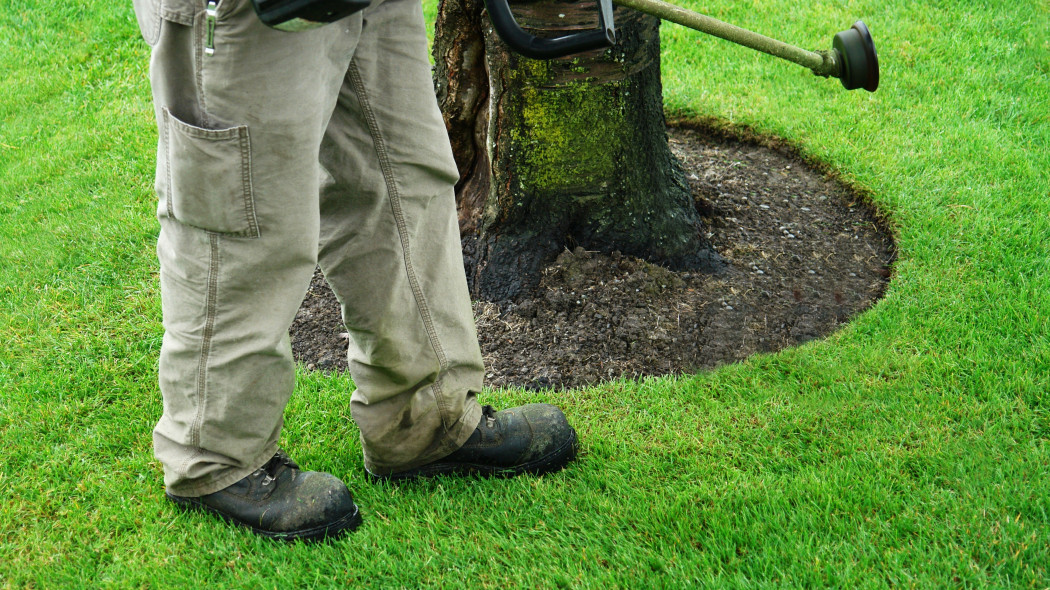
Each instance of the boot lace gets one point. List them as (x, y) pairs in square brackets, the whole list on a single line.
[(274, 466)]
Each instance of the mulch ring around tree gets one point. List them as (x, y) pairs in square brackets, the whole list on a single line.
[(805, 252)]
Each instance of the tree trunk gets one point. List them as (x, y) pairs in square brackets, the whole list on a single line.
[(561, 153)]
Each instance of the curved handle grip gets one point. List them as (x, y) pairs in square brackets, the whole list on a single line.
[(539, 48)]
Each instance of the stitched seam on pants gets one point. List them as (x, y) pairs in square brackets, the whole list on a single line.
[(167, 163), (402, 230), (200, 33), (246, 183), (209, 331)]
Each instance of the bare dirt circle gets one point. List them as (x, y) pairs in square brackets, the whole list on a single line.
[(806, 253)]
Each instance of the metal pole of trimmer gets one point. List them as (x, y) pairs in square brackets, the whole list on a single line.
[(855, 45)]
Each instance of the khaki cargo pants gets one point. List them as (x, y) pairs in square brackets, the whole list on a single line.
[(279, 151)]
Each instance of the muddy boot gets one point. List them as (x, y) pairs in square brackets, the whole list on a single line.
[(535, 438), (281, 502)]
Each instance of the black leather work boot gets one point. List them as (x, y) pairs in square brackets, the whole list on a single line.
[(534, 438), (280, 501)]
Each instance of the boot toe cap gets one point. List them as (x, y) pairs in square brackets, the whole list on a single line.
[(551, 431), (321, 500)]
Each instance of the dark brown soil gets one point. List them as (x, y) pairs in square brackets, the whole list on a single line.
[(806, 254)]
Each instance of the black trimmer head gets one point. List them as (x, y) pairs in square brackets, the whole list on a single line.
[(859, 62)]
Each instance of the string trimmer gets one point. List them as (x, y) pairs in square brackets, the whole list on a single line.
[(852, 58)]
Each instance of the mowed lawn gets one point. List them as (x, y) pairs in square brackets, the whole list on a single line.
[(909, 449)]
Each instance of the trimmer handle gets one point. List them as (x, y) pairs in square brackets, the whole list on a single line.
[(539, 48)]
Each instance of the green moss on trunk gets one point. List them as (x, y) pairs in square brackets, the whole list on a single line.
[(565, 138)]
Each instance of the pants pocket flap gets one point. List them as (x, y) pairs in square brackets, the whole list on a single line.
[(210, 177)]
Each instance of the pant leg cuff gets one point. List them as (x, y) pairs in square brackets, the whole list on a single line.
[(454, 438), (223, 479)]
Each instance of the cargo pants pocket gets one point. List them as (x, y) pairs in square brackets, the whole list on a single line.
[(209, 178)]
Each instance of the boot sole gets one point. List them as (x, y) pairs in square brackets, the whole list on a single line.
[(347, 523), (551, 462)]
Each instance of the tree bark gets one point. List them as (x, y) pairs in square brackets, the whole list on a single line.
[(561, 153)]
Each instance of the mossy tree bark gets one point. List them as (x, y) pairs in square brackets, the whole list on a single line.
[(561, 153)]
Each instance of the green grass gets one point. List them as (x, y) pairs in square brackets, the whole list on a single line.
[(909, 449)]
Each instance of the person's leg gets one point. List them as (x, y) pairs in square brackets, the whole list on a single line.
[(390, 249), (240, 114)]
